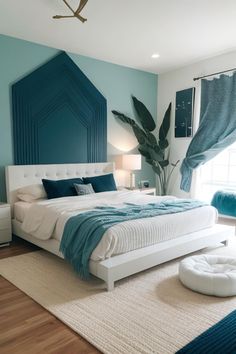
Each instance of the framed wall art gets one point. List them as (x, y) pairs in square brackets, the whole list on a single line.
[(184, 106)]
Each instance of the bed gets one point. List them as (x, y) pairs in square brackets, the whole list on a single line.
[(126, 248)]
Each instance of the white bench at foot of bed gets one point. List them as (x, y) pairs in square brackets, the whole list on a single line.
[(121, 266)]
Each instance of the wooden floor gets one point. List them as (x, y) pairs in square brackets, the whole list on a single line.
[(26, 327)]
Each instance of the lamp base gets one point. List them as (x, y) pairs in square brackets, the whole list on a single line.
[(132, 181)]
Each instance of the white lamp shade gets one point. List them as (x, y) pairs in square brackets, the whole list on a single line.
[(131, 162)]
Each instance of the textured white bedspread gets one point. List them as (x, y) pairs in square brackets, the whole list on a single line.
[(47, 219), (20, 210)]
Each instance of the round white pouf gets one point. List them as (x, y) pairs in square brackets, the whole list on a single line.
[(209, 274)]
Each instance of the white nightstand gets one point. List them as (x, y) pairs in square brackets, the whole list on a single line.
[(148, 191), (5, 224)]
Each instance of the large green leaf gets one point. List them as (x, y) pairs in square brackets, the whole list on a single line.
[(155, 156), (149, 152), (150, 161), (159, 151), (144, 115), (153, 151), (157, 170), (143, 151), (164, 163), (151, 139), (139, 133), (165, 126), (124, 118), (163, 144)]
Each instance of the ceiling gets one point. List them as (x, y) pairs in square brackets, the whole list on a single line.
[(128, 32)]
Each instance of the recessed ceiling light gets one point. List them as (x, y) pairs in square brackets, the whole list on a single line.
[(155, 56)]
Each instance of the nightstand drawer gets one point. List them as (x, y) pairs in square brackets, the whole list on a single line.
[(4, 212), (5, 223), (5, 235)]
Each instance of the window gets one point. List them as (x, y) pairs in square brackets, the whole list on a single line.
[(217, 174)]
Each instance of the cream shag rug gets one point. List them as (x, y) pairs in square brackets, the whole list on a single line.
[(151, 312)]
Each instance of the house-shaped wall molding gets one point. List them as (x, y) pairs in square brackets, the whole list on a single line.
[(59, 116)]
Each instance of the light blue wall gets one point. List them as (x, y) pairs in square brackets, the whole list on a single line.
[(117, 83)]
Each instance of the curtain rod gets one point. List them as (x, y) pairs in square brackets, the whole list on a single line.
[(220, 72)]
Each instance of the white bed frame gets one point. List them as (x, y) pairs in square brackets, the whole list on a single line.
[(120, 266)]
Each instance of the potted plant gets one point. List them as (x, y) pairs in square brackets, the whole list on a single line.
[(156, 153)]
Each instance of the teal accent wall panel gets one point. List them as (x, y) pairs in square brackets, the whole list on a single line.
[(116, 83), (58, 115), (54, 146)]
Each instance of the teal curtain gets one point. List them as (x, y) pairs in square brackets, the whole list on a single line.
[(217, 127)]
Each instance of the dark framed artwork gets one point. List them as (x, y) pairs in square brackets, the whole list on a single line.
[(184, 106)]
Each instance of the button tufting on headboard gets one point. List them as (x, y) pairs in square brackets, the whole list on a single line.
[(23, 175)]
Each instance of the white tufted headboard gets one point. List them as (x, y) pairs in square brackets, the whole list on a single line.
[(23, 175)]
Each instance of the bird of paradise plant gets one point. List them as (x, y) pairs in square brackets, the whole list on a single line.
[(156, 153)]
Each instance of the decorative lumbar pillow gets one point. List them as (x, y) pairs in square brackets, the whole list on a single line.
[(103, 183), (61, 188), (83, 189), (31, 193)]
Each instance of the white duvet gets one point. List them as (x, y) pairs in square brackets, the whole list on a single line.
[(46, 219)]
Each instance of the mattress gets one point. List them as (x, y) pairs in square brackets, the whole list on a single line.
[(47, 219)]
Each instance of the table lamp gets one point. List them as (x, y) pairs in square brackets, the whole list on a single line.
[(131, 163)]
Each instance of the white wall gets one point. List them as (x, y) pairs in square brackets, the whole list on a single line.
[(171, 82)]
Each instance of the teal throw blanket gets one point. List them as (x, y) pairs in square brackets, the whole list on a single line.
[(83, 232)]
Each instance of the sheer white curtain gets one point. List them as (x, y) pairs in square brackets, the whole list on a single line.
[(217, 174)]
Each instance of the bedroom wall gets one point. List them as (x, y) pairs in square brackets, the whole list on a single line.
[(178, 80), (117, 83)]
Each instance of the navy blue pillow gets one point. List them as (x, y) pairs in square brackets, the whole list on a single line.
[(104, 183), (61, 188)]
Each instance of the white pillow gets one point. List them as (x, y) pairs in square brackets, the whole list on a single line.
[(31, 193)]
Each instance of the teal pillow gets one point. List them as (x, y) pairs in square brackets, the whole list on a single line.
[(103, 183), (61, 188)]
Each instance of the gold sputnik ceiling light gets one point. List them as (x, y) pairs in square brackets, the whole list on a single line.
[(76, 13)]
